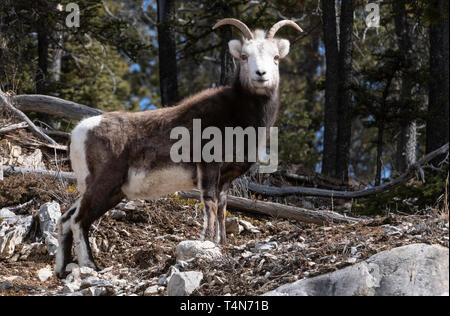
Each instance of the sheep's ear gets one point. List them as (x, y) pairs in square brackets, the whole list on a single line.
[(283, 47), (235, 47)]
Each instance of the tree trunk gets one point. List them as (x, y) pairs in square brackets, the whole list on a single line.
[(344, 90), (49, 69), (56, 52), (331, 88), (379, 154), (226, 60), (338, 53), (42, 72), (406, 145), (167, 52), (437, 121), (309, 70), (381, 126)]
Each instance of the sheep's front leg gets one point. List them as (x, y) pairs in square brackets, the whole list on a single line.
[(210, 219), (208, 184), (221, 213)]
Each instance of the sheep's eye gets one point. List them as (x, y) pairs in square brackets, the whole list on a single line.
[(276, 58), (244, 57)]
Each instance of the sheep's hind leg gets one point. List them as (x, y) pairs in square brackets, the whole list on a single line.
[(93, 205), (221, 214), (65, 240)]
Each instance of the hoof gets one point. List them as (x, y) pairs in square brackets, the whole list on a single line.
[(91, 265), (61, 274)]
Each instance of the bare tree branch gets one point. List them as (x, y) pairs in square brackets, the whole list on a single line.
[(409, 174), (4, 102), (13, 127), (68, 176)]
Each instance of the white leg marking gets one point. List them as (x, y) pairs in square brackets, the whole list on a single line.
[(81, 249), (217, 230), (63, 230)]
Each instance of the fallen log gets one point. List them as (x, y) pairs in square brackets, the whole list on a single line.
[(6, 103), (321, 217), (35, 143), (13, 127), (10, 170), (54, 106), (267, 190)]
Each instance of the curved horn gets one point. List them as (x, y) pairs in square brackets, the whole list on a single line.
[(279, 25), (240, 25)]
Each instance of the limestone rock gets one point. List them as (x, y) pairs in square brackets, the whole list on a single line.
[(71, 287), (8, 216), (94, 281), (190, 249), (51, 243), (184, 283), (33, 249), (45, 274), (413, 270), (263, 247), (11, 236), (86, 272), (152, 290), (249, 226), (48, 217), (5, 286)]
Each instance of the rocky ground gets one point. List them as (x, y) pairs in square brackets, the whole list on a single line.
[(150, 248), (136, 245)]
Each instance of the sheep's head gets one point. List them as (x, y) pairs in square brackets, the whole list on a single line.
[(259, 54)]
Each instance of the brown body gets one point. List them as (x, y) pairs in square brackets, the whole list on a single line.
[(141, 140)]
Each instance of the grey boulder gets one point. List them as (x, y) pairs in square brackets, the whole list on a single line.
[(190, 249), (48, 217), (184, 283), (12, 236), (8, 216), (413, 270)]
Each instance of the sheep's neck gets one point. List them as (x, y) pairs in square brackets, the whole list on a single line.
[(262, 107)]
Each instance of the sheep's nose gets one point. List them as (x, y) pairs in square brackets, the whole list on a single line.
[(260, 73)]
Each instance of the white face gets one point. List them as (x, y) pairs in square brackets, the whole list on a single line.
[(259, 59)]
